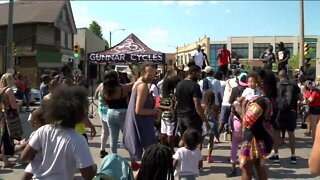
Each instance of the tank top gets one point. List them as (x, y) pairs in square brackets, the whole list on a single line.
[(120, 103)]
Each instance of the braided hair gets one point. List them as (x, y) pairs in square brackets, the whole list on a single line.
[(156, 164)]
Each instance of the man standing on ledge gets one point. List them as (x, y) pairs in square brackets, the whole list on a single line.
[(223, 58), (283, 55), (197, 57), (268, 57)]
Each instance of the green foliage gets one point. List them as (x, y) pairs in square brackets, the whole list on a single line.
[(247, 66), (106, 44), (96, 29), (294, 62)]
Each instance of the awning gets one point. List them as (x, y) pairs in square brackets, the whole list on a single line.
[(131, 49)]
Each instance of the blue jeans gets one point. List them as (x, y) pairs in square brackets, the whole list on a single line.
[(115, 120)]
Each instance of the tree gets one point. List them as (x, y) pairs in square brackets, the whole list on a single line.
[(106, 44), (96, 29)]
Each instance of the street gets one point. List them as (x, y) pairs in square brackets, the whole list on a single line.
[(215, 170)]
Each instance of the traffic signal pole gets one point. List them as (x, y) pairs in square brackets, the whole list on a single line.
[(9, 57), (301, 53)]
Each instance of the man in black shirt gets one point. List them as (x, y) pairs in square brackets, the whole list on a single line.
[(268, 57), (283, 55), (189, 111), (286, 117)]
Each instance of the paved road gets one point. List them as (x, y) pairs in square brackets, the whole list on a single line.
[(215, 170)]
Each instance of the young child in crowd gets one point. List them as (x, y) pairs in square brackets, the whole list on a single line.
[(251, 92), (156, 164), (208, 103), (188, 159), (236, 137), (36, 120), (167, 104)]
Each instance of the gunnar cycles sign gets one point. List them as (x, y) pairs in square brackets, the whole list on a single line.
[(118, 58)]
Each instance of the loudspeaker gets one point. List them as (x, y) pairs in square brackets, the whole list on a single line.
[(92, 71)]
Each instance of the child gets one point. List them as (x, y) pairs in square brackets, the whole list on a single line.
[(236, 136), (188, 159), (63, 150), (208, 103), (250, 92), (167, 103), (156, 164), (36, 120)]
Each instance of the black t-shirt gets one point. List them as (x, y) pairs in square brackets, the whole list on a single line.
[(185, 92), (283, 55)]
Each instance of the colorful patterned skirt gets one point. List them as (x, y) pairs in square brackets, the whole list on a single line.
[(251, 150)]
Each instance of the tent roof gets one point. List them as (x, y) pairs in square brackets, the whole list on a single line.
[(130, 45)]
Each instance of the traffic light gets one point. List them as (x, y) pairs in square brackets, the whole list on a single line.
[(306, 48), (14, 48), (76, 51)]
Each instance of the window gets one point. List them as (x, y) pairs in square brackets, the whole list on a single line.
[(258, 48), (63, 38), (239, 50), (70, 41), (64, 15), (213, 55), (66, 39)]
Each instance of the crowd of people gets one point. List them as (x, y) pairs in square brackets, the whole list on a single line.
[(164, 121)]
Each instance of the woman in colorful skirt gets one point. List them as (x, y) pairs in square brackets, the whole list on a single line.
[(257, 140)]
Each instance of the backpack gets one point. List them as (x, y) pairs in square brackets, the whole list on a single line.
[(285, 98), (114, 167), (206, 84)]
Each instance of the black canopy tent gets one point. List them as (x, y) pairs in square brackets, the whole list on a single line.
[(131, 49)]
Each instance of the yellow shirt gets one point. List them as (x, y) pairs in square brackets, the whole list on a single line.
[(80, 128)]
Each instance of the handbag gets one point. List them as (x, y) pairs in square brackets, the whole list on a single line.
[(13, 122)]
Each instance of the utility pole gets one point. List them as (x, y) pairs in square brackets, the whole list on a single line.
[(9, 57), (301, 53)]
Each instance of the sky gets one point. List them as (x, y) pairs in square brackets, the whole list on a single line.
[(164, 25)]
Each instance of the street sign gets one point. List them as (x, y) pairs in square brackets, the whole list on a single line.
[(310, 40)]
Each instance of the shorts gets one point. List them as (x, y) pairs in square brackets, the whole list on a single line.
[(223, 69), (213, 129), (167, 127), (225, 114), (286, 120), (192, 121), (314, 110)]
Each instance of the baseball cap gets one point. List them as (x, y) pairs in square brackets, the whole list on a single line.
[(208, 69), (242, 77)]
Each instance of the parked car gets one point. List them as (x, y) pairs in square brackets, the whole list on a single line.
[(35, 96)]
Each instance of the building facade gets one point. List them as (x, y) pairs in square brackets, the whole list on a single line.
[(89, 43), (247, 47), (43, 38), (250, 47), (184, 52)]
